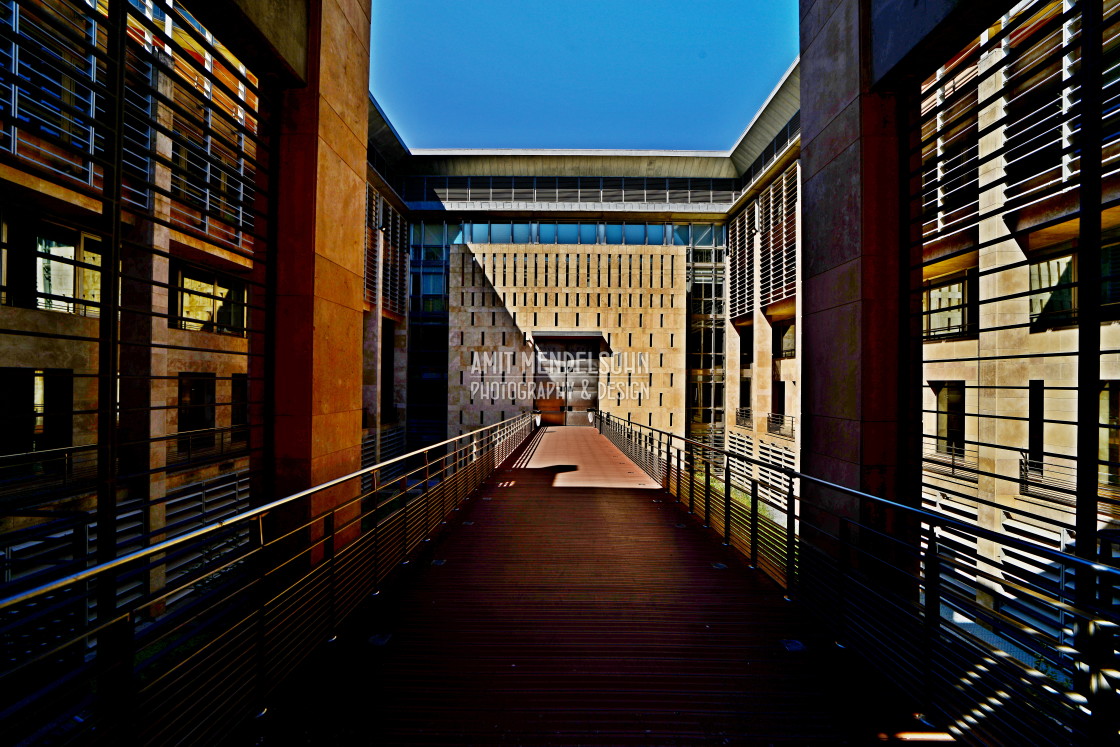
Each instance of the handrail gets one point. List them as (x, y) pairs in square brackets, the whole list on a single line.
[(119, 642), (919, 512), (174, 542), (945, 618)]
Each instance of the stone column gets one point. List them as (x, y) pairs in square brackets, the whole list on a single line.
[(320, 256), (854, 359)]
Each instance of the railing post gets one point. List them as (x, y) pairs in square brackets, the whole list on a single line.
[(689, 466), (376, 475), (680, 452), (329, 551), (726, 500), (932, 611), (754, 523), (404, 514), (707, 491), (842, 593), (426, 496), (791, 540), (668, 461)]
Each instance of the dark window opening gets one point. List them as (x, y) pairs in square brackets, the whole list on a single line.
[(950, 417), (196, 412)]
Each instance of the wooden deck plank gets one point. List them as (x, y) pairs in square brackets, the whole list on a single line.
[(573, 605)]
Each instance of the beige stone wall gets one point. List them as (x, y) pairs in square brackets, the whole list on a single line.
[(500, 295), (765, 369)]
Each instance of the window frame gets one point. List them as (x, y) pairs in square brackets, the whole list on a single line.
[(179, 320), (968, 307)]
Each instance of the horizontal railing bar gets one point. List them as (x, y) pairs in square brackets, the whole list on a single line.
[(933, 518), (239, 518)]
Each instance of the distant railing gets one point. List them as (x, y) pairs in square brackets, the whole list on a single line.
[(778, 424), (208, 444), (56, 472), (888, 578), (962, 462), (1055, 479), (207, 647), (744, 418)]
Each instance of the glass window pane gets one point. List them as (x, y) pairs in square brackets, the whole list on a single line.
[(89, 280), (431, 284), (417, 233), (589, 233), (455, 233), (656, 233), (500, 233), (567, 233), (546, 233), (702, 234), (55, 278), (680, 234), (1110, 274), (230, 314), (613, 233), (521, 233), (433, 234), (945, 305), (480, 233), (635, 233), (196, 308), (1046, 275)]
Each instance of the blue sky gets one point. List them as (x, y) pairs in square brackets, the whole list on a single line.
[(681, 74)]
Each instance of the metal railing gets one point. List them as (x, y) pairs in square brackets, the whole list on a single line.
[(887, 579), (744, 418), (188, 448), (780, 425), (962, 462), (51, 472), (1055, 479), (186, 658)]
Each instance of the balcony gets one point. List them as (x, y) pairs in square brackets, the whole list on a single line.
[(1054, 479), (961, 462), (744, 418), (781, 425)]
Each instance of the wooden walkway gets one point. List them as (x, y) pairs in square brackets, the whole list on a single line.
[(575, 604)]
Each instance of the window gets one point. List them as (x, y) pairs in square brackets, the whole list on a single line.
[(588, 233), (209, 302), (947, 306), (501, 233), (50, 267), (433, 234), (702, 234), (239, 407), (67, 271), (785, 340), (1110, 280), (196, 412), (1108, 450), (950, 417), (37, 409), (1036, 421), (1053, 290)]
